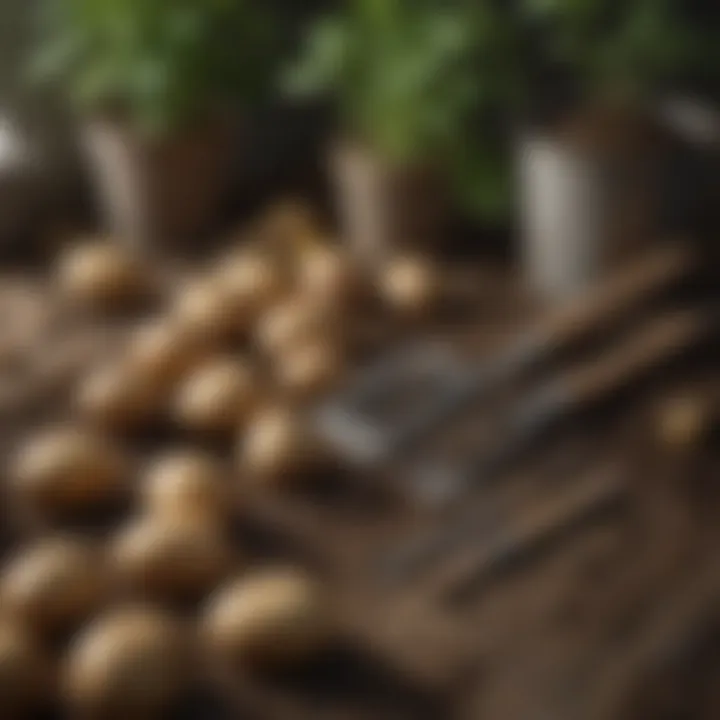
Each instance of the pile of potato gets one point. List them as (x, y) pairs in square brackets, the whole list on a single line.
[(235, 356), (97, 625), (244, 344)]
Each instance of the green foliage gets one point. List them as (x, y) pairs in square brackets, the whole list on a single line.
[(401, 71), (415, 80), (623, 45), (160, 62)]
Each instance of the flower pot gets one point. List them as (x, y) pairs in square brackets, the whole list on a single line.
[(589, 195), (383, 208), (160, 193)]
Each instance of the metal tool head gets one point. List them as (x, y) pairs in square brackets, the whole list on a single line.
[(436, 482), (364, 421)]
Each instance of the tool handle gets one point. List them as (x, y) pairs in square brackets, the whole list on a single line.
[(634, 283), (658, 342), (591, 497), (631, 285)]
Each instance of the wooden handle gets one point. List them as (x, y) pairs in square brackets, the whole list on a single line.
[(642, 278), (657, 342), (592, 495)]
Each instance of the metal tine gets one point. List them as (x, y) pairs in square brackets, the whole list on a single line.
[(370, 441), (470, 386), (437, 483), (422, 357), (352, 428)]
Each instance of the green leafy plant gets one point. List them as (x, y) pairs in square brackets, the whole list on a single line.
[(413, 80), (628, 46), (401, 73), (158, 63)]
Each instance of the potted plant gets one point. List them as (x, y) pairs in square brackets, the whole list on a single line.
[(402, 79), (589, 172), (159, 90)]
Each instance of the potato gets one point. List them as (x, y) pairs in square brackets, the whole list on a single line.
[(328, 275), (309, 369), (186, 484), (26, 676), (163, 351), (294, 321), (287, 224), (252, 282), (69, 469), (102, 273), (276, 616), (119, 397), (276, 446), (217, 396), (132, 662), (410, 285), (684, 421), (172, 559), (54, 584), (205, 309)]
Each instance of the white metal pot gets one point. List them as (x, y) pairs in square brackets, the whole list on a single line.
[(583, 208), (385, 209)]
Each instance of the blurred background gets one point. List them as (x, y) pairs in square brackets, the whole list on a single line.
[(530, 61)]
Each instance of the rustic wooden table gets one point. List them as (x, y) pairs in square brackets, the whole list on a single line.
[(593, 625)]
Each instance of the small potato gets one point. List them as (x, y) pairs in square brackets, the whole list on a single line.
[(310, 369), (171, 559), (206, 309), (684, 421), (163, 352), (68, 469), (410, 285), (287, 224), (102, 273), (277, 616), (328, 275), (294, 321), (26, 675), (120, 397), (186, 484), (217, 396), (276, 446), (252, 282), (132, 662), (54, 584)]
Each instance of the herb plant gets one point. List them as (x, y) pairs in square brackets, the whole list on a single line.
[(413, 80), (158, 63), (400, 70), (617, 45)]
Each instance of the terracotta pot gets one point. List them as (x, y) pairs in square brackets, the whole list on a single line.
[(589, 192), (165, 192), (384, 209)]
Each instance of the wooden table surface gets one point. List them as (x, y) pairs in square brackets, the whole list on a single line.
[(573, 633)]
